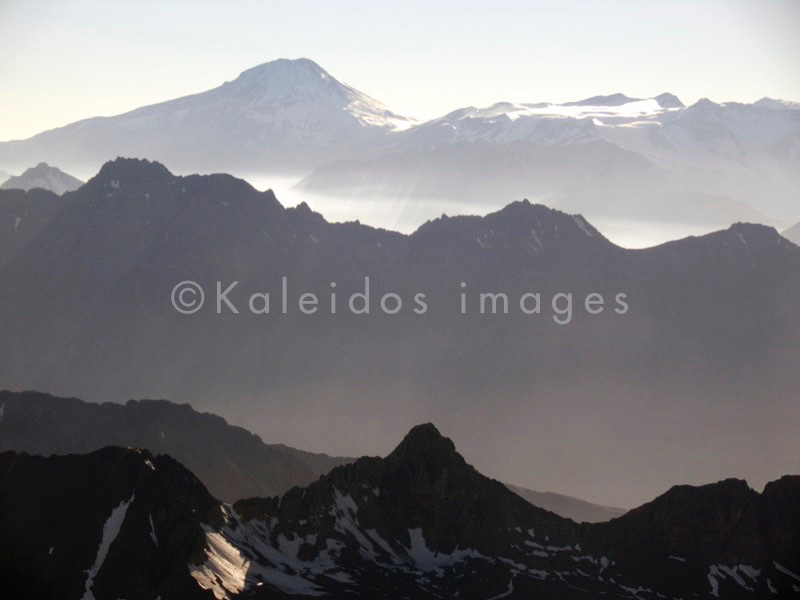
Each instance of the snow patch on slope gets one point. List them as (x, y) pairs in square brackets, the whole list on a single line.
[(110, 531)]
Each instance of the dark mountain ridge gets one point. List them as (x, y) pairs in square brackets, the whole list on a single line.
[(230, 460), (118, 522), (420, 523)]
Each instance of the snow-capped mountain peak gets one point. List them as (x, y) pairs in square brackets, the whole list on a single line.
[(285, 82), (288, 114), (543, 124), (46, 177)]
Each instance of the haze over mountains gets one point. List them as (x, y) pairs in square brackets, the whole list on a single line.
[(528, 399), (420, 522), (612, 157)]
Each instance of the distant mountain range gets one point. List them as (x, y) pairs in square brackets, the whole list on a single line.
[(565, 506), (648, 159), (45, 177), (609, 156), (419, 523), (793, 234), (711, 337), (776, 104), (232, 462)]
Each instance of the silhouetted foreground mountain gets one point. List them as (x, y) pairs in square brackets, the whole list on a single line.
[(116, 523), (420, 523), (711, 337), (231, 461)]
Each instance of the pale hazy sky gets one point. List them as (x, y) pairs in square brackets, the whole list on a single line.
[(65, 60)]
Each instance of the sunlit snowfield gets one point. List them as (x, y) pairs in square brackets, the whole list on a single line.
[(406, 216)]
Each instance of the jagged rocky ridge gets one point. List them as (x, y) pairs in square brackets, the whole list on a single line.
[(418, 523)]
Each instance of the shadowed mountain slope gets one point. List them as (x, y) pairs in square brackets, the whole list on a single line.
[(420, 523)]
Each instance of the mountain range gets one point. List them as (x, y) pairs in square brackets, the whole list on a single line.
[(45, 177), (707, 164), (709, 341), (420, 522), (232, 462)]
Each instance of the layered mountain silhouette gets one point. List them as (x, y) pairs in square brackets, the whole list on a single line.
[(45, 177), (710, 336), (707, 164), (232, 462), (420, 523)]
